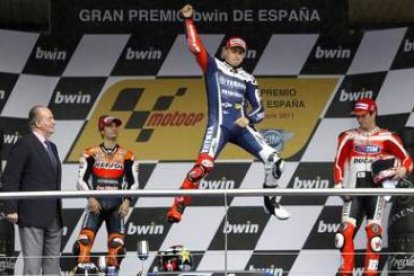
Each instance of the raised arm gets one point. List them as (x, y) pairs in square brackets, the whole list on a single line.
[(193, 40)]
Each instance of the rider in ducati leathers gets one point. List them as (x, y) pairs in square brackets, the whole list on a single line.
[(229, 91), (107, 166), (357, 150)]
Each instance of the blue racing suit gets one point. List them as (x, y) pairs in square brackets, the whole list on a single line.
[(230, 91)]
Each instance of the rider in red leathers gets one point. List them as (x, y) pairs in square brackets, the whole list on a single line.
[(357, 150)]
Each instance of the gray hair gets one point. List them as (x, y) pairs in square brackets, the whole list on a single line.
[(33, 115)]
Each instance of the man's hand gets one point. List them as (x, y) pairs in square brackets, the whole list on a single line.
[(12, 218), (345, 198), (187, 11), (124, 208), (94, 206), (400, 172), (242, 122)]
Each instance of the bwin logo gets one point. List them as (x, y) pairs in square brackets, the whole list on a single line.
[(317, 183), (52, 55), (11, 138), (251, 54), (359, 271), (150, 54), (223, 183), (337, 53), (275, 271), (328, 227), (408, 46), (145, 229), (79, 98), (355, 95), (243, 228)]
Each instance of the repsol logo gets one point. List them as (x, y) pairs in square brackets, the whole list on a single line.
[(242, 228), (311, 183), (275, 271), (150, 54), (408, 46), (355, 95), (223, 183), (108, 165), (79, 98), (145, 229), (328, 227), (11, 138), (51, 55), (337, 53), (174, 119)]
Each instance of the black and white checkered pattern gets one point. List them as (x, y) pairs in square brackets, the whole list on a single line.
[(70, 75)]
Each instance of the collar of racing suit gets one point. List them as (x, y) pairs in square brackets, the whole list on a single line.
[(374, 130), (109, 150), (231, 68)]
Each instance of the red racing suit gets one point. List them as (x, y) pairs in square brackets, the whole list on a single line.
[(356, 152)]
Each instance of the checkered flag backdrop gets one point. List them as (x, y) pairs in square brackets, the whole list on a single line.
[(144, 74)]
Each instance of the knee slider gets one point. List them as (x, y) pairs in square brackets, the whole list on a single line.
[(84, 240), (275, 165), (116, 243), (345, 233), (374, 235), (203, 166), (83, 244), (277, 168), (339, 240), (116, 250), (196, 173)]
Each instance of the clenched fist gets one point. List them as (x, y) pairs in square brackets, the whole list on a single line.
[(187, 11), (242, 122)]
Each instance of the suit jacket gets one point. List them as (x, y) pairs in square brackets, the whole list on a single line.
[(29, 168)]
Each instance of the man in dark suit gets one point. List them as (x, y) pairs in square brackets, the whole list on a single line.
[(33, 165)]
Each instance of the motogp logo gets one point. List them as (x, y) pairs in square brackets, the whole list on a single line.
[(367, 148)]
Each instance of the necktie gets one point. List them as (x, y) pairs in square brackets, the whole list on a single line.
[(50, 153)]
